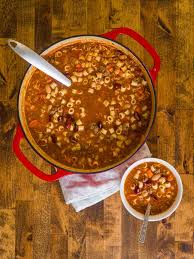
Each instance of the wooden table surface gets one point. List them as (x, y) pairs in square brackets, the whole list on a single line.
[(34, 220)]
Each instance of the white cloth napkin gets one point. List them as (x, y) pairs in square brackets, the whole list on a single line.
[(82, 191)]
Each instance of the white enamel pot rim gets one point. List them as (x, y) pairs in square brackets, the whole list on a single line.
[(160, 216)]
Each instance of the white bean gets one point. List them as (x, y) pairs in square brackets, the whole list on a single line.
[(79, 122), (168, 185), (156, 177), (162, 180)]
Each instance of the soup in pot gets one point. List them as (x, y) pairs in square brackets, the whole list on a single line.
[(101, 118)]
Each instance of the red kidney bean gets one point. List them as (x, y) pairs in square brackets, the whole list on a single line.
[(154, 197), (118, 53), (54, 138), (60, 118), (75, 127), (149, 181), (79, 68), (73, 140), (136, 190), (99, 124), (68, 123), (137, 116), (125, 132), (117, 85), (50, 118)]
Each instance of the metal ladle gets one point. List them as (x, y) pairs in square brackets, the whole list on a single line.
[(143, 230)]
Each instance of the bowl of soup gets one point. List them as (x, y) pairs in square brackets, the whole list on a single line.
[(103, 118), (151, 181)]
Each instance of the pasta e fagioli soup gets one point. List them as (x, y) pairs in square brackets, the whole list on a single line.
[(154, 182), (102, 118)]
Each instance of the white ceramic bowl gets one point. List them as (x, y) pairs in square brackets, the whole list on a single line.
[(160, 216)]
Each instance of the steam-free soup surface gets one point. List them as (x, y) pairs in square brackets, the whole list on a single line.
[(151, 183), (101, 118)]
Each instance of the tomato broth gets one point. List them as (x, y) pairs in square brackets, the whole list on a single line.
[(101, 118)]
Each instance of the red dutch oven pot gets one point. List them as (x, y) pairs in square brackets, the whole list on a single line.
[(152, 74)]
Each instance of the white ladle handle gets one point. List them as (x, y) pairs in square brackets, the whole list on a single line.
[(37, 61)]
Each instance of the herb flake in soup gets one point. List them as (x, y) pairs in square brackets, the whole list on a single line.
[(97, 121)]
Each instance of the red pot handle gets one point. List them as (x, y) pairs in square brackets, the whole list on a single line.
[(136, 36), (33, 169)]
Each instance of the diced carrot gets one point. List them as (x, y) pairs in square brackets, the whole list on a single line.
[(138, 109), (34, 124), (132, 195), (120, 73), (79, 68), (170, 178), (149, 173), (109, 67)]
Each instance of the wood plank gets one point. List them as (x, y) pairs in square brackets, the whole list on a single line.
[(77, 14), (59, 16), (69, 18), (132, 21), (116, 14), (8, 82), (59, 211), (41, 221), (24, 226), (96, 16), (59, 246), (95, 231), (130, 228), (184, 54), (7, 159), (43, 24), (148, 249), (7, 233), (148, 18), (112, 226), (25, 31), (59, 223), (184, 214), (166, 99), (165, 244), (8, 18), (184, 250), (77, 234), (185, 141)]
